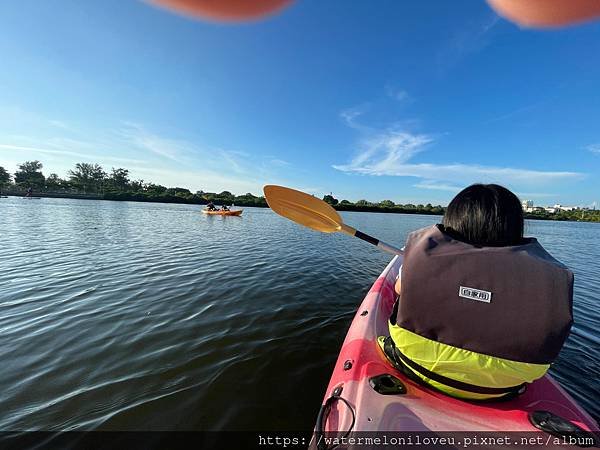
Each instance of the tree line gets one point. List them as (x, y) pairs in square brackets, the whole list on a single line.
[(84, 178), (383, 206), (91, 180)]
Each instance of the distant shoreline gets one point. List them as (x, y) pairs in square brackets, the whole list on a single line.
[(90, 182), (593, 216)]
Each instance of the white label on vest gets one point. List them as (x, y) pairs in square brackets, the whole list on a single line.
[(474, 294)]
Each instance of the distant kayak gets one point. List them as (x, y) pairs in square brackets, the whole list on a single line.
[(223, 213), (31, 198), (367, 394)]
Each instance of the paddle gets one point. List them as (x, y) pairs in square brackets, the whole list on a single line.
[(315, 214)]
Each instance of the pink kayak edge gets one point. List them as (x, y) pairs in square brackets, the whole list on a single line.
[(421, 408)]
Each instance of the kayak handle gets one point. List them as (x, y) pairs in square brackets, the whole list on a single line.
[(324, 413)]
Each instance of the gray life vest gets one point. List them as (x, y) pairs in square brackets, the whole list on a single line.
[(508, 302)]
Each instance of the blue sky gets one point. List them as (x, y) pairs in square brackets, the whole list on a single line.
[(407, 101)]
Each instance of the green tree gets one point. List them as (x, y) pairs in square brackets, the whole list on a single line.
[(345, 203), (387, 204), (181, 192), (30, 175), (362, 203), (137, 185), (330, 199), (4, 177), (226, 197), (119, 179), (155, 189), (247, 199), (53, 182), (89, 177), (99, 177)]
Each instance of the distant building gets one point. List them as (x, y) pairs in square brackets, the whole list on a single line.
[(558, 207), (527, 205)]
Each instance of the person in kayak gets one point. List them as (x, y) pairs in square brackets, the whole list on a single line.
[(224, 208), (210, 206), (481, 311)]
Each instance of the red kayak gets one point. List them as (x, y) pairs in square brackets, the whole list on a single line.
[(367, 394)]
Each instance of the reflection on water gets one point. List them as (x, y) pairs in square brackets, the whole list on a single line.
[(123, 315)]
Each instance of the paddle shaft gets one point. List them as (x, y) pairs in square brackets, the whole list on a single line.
[(370, 239)]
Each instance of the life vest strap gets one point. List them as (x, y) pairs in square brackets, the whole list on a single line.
[(401, 359)]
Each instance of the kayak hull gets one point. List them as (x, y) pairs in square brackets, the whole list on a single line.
[(223, 213), (421, 408)]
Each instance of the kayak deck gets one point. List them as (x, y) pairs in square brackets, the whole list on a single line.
[(421, 408)]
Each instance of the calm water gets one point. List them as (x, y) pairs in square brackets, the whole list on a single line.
[(137, 316)]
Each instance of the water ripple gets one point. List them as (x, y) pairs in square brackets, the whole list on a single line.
[(126, 316)]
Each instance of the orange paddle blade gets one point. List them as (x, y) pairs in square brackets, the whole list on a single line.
[(303, 209)]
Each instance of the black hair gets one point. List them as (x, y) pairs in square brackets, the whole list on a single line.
[(486, 215)]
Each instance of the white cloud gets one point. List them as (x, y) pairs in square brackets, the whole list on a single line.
[(466, 39), (464, 173), (154, 157), (41, 150), (233, 161), (59, 124), (199, 179), (389, 153), (385, 150), (396, 94), (139, 137), (515, 112), (437, 186), (524, 195), (280, 163), (66, 144), (350, 115), (594, 148)]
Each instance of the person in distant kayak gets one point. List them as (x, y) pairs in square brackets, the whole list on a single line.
[(224, 208), (481, 310), (211, 206), (29, 192)]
